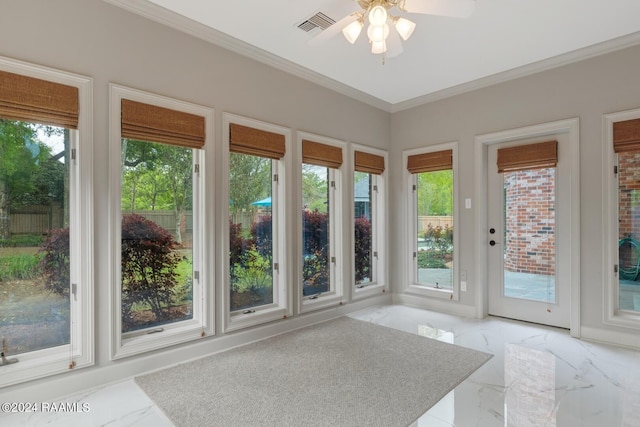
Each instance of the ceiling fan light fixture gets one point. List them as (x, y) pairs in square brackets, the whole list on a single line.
[(378, 47), (404, 27), (378, 33), (378, 15), (352, 31)]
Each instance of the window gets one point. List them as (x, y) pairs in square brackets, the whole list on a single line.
[(368, 221), (45, 226), (160, 280), (432, 221), (255, 287), (622, 298), (321, 283), (529, 188)]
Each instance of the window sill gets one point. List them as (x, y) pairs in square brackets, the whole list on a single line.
[(137, 343), (38, 364), (322, 301), (368, 290), (432, 292), (625, 319), (241, 320)]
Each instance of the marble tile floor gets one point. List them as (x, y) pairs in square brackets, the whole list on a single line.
[(539, 376)]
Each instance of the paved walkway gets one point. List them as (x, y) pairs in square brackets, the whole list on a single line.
[(629, 295)]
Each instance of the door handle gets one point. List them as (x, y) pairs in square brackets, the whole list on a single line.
[(492, 242)]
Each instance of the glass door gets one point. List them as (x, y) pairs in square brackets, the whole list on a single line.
[(525, 240)]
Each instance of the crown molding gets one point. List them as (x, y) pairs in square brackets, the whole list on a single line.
[(183, 24), (188, 26), (523, 71)]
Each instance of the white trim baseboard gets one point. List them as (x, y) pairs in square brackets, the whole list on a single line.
[(609, 337), (439, 305)]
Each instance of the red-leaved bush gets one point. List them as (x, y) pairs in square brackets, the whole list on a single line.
[(362, 236), (55, 262), (148, 267)]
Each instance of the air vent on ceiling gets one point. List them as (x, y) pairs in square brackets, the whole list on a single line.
[(319, 20)]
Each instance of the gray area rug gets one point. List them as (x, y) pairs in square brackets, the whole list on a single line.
[(343, 372)]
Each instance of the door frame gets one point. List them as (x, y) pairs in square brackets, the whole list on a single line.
[(568, 127)]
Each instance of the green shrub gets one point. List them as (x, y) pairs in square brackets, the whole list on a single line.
[(19, 267), (183, 292), (439, 240), (426, 259), (253, 274), (22, 240)]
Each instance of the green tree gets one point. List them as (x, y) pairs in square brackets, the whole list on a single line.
[(179, 173), (26, 175), (435, 193), (153, 173), (249, 181), (314, 188)]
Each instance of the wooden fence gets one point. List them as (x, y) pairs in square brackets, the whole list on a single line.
[(167, 220), (442, 221), (41, 219), (35, 219)]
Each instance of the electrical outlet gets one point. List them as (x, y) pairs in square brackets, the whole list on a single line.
[(463, 286)]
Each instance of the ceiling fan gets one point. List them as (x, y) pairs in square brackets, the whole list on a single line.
[(379, 14)]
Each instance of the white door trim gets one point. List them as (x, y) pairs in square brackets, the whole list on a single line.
[(482, 142)]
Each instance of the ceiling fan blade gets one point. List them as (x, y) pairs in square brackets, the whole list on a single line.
[(332, 30), (451, 8), (394, 45)]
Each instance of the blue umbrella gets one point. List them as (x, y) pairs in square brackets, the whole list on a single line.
[(263, 202)]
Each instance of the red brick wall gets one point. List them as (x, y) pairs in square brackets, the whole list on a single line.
[(530, 221), (629, 188)]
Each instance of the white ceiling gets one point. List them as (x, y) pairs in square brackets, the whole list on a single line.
[(502, 39)]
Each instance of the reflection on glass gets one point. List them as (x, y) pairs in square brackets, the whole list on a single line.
[(315, 230), (629, 230), (434, 191), (157, 234), (34, 236), (250, 231), (530, 381), (363, 220), (530, 232)]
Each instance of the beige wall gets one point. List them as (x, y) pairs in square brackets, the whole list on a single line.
[(93, 38), (111, 45), (586, 89)]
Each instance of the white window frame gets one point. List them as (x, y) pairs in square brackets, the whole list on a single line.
[(412, 286), (337, 295), (379, 282), (281, 306), (612, 314), (202, 322), (80, 352)]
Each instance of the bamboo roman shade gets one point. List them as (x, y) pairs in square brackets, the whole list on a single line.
[(430, 162), (256, 142), (40, 101), (626, 136), (316, 153), (146, 122), (526, 157), (369, 163)]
